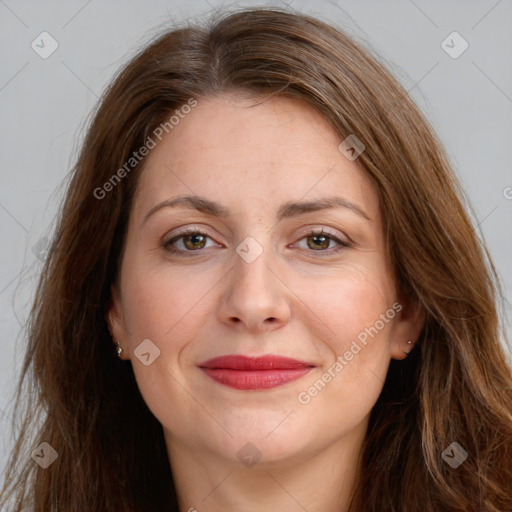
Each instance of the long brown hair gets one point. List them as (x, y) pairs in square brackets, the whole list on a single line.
[(456, 385)]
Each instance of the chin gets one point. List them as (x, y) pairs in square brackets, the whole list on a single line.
[(267, 443)]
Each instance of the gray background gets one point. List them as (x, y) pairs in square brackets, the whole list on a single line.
[(44, 104)]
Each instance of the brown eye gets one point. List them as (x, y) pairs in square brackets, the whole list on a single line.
[(188, 242), (318, 242), (195, 241)]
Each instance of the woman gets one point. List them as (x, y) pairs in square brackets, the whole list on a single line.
[(264, 293)]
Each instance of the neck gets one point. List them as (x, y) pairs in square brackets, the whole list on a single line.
[(317, 482)]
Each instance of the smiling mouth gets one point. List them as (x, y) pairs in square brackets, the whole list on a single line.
[(254, 373)]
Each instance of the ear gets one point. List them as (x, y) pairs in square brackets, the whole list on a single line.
[(408, 325), (115, 320)]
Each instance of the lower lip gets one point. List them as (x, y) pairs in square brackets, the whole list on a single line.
[(255, 379)]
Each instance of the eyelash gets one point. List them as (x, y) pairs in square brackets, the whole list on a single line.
[(314, 232)]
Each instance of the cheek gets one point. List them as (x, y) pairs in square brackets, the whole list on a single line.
[(167, 307), (356, 308), (342, 307), (162, 303), (357, 318)]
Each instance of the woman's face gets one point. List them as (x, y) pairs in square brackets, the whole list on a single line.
[(254, 281)]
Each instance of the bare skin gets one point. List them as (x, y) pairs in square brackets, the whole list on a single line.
[(300, 297)]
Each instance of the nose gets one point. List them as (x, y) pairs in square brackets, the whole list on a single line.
[(254, 297)]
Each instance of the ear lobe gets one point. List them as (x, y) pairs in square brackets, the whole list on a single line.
[(408, 326)]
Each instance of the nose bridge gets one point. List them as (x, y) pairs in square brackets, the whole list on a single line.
[(250, 249), (254, 294), (252, 262)]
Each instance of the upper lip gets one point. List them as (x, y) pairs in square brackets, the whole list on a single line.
[(268, 362)]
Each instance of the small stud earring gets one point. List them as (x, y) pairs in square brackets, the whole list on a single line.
[(407, 351), (119, 349)]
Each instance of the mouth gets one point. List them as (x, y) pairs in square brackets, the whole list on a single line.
[(254, 373)]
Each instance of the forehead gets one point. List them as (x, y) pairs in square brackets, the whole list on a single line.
[(252, 154)]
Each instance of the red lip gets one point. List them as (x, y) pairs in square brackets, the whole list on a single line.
[(241, 372)]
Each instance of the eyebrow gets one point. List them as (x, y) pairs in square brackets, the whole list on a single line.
[(285, 211)]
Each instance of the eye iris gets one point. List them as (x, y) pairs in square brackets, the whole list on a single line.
[(324, 240), (194, 240)]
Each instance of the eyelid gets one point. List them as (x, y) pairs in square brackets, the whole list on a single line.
[(342, 240), (186, 230), (183, 232), (315, 229)]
